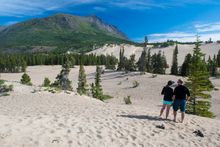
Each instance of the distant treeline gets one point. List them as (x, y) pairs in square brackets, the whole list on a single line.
[(19, 62)]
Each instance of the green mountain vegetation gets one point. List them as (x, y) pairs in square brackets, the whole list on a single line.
[(60, 32)]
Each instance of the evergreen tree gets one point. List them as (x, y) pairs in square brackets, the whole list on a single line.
[(122, 59), (158, 63), (46, 82), (142, 62), (25, 79), (97, 88), (23, 65), (164, 61), (131, 65), (218, 58), (148, 63), (174, 67), (111, 62), (82, 82), (185, 68), (199, 84), (212, 66), (62, 80)]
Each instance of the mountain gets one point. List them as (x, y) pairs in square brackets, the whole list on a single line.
[(2, 28), (61, 32)]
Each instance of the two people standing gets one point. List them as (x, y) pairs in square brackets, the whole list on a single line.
[(176, 98)]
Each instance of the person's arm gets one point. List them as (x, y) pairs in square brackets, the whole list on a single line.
[(174, 94)]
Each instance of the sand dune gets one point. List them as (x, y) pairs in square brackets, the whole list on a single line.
[(208, 49), (31, 117)]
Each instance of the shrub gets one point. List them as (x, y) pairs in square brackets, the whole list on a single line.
[(119, 83), (25, 79), (154, 76), (135, 84), (2, 82), (46, 82), (127, 100), (10, 87), (105, 97), (5, 88)]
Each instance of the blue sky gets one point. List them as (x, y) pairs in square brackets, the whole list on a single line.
[(158, 19)]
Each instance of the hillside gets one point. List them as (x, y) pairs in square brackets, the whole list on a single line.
[(60, 31), (1, 28), (184, 49)]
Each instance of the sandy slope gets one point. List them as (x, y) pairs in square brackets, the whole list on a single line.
[(69, 120), (208, 49)]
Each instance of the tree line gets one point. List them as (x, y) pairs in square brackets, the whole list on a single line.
[(147, 62), (19, 62), (212, 64)]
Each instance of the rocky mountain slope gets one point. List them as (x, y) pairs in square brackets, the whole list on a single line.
[(62, 31)]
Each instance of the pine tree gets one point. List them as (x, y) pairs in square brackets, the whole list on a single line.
[(122, 59), (62, 80), (185, 68), (82, 82), (199, 84), (148, 63), (23, 65), (142, 62), (131, 65), (212, 66), (164, 61), (158, 63), (218, 58), (174, 67), (46, 82), (25, 79), (97, 87)]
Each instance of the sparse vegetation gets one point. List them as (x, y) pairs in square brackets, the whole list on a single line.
[(154, 76), (82, 82), (127, 100), (25, 79), (119, 83), (4, 89), (135, 84), (53, 89), (62, 80), (96, 88), (46, 82)]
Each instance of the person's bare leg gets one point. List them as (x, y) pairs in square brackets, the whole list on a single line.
[(174, 114), (182, 116), (167, 111), (162, 109)]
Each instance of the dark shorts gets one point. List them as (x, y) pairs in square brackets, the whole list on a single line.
[(179, 104)]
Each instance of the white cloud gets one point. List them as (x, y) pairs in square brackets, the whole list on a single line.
[(21, 8), (210, 27), (173, 34), (183, 37)]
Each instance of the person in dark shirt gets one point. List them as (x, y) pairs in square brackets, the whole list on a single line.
[(181, 95), (167, 99)]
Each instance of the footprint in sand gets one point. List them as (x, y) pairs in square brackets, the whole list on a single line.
[(52, 131), (68, 131)]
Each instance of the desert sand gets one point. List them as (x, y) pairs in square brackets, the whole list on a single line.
[(31, 117)]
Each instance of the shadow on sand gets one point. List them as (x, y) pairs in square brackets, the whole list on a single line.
[(152, 118)]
